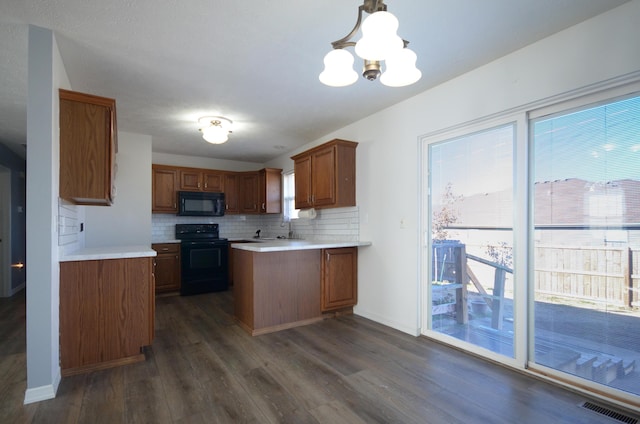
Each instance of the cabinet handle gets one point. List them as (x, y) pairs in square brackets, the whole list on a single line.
[(328, 257), (174, 205), (164, 249), (263, 206), (198, 185), (205, 185)]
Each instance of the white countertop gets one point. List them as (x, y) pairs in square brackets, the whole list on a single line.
[(170, 241), (262, 245), (109, 252)]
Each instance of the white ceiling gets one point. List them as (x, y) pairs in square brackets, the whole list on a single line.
[(256, 62)]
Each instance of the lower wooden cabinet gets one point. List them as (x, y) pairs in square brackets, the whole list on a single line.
[(107, 312), (167, 266), (339, 278)]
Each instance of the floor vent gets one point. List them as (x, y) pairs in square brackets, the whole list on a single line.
[(609, 413)]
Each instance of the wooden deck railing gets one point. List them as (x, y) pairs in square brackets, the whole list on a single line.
[(496, 300), (610, 275)]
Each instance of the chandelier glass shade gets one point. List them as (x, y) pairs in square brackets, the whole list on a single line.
[(215, 129), (379, 37), (379, 43), (338, 69)]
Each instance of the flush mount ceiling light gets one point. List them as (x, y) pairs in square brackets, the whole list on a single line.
[(379, 43), (215, 129)]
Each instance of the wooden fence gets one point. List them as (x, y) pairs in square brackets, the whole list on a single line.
[(603, 274)]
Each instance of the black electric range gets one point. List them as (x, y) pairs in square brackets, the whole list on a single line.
[(204, 259)]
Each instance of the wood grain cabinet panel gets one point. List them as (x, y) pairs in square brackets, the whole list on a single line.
[(106, 313), (261, 191), (213, 181), (231, 193), (270, 190), (190, 180), (249, 198), (194, 179), (339, 278), (164, 184), (276, 290), (88, 144), (325, 176), (167, 267), (251, 192), (302, 175)]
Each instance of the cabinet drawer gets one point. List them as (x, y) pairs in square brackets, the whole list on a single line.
[(166, 247)]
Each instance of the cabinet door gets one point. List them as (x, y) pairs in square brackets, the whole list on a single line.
[(164, 190), (270, 190), (190, 180), (249, 193), (106, 311), (323, 177), (339, 278), (231, 193), (87, 148), (213, 181), (167, 272), (302, 176)]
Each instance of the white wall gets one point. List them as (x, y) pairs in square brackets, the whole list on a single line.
[(128, 220), (202, 162), (593, 52), (46, 74)]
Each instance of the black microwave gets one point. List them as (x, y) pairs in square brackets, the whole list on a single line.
[(198, 203)]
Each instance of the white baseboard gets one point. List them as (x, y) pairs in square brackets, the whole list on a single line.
[(41, 393), (414, 331), (17, 289)]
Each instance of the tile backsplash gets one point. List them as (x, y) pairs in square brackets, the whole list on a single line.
[(330, 224), (70, 217)]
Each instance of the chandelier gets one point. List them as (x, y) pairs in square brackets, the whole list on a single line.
[(215, 129), (379, 43)]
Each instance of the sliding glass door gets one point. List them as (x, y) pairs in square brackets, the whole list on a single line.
[(586, 274), (471, 204), (532, 241)]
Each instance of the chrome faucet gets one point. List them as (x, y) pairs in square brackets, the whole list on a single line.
[(257, 234)]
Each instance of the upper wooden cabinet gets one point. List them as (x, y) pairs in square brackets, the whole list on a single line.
[(231, 193), (88, 145), (249, 199), (270, 190), (250, 192), (254, 191), (164, 184), (325, 176), (261, 192), (201, 180)]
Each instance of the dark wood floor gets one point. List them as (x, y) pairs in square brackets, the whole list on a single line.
[(202, 368)]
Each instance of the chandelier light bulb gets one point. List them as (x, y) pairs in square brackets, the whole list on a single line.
[(401, 69), (379, 37), (338, 69)]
